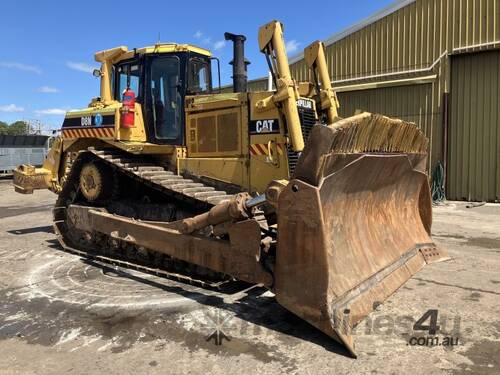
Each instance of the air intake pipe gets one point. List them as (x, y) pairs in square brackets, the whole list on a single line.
[(239, 62)]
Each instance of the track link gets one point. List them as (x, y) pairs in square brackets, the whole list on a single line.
[(159, 178), (118, 253)]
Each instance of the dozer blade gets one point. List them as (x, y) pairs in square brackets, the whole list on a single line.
[(354, 222)]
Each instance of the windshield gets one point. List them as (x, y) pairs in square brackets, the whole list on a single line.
[(199, 76), (166, 98)]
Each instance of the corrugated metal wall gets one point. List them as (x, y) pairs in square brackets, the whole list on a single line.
[(259, 84), (410, 103), (416, 37), (411, 38), (474, 132), (416, 40)]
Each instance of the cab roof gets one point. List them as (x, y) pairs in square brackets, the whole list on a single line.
[(124, 53)]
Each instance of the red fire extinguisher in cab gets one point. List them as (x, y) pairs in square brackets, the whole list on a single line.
[(128, 108)]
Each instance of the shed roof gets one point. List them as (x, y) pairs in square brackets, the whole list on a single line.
[(23, 140)]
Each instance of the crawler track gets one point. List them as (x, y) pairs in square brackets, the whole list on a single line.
[(144, 174)]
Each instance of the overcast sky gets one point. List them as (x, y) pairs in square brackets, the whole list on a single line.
[(47, 47)]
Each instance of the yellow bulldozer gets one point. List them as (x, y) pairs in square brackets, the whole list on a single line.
[(166, 174)]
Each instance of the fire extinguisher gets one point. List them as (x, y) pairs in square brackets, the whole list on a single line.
[(128, 108)]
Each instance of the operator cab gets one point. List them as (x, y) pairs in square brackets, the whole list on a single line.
[(161, 82)]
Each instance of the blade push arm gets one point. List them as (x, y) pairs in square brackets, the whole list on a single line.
[(271, 43), (314, 56)]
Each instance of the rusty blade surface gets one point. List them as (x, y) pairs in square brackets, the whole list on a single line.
[(353, 228), (347, 245)]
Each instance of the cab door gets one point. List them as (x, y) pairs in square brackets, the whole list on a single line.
[(164, 97)]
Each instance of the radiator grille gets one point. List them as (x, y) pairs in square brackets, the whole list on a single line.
[(307, 120)]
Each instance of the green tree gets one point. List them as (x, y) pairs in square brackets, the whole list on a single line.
[(18, 128), (4, 128)]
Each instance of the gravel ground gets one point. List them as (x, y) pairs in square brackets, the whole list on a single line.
[(62, 314)]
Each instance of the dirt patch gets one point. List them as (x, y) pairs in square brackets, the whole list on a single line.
[(53, 323), (475, 291), (484, 242), (10, 211), (456, 236), (485, 356), (496, 325), (474, 296)]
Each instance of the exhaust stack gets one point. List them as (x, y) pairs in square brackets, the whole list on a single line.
[(239, 62)]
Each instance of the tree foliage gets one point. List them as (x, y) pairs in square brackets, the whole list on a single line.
[(16, 128)]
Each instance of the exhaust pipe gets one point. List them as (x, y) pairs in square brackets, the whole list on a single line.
[(239, 62)]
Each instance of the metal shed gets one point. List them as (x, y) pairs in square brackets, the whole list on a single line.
[(420, 60), (22, 149)]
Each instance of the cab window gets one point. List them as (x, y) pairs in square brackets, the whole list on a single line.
[(125, 72), (199, 76), (166, 98)]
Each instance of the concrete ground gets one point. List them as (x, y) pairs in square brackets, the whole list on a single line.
[(62, 314)]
